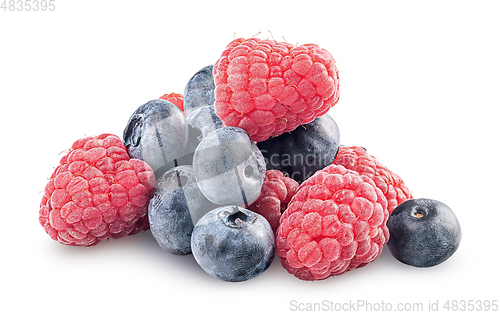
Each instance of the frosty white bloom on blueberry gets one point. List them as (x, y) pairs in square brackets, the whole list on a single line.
[(199, 90), (156, 133), (229, 168), (176, 206), (201, 121), (233, 244)]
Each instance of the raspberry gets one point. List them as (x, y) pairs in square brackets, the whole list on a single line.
[(95, 193), (269, 88), (174, 98), (358, 159), (277, 191), (336, 222)]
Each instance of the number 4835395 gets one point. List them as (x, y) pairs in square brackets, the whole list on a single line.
[(28, 5)]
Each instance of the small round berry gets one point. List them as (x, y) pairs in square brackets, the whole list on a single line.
[(175, 207), (233, 244), (229, 168), (424, 232), (157, 133), (303, 151), (199, 90)]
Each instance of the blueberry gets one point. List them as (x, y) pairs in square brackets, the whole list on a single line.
[(304, 150), (201, 121), (204, 119), (229, 168), (199, 90), (233, 244), (157, 133), (175, 206), (423, 232)]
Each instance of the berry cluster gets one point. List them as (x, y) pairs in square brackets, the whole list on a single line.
[(243, 166)]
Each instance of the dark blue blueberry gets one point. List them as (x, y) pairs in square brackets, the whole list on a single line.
[(199, 90), (175, 206), (157, 133), (303, 151), (423, 232), (233, 244)]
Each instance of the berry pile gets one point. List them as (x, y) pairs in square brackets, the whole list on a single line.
[(244, 166)]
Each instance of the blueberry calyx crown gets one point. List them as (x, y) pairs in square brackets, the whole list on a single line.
[(234, 218), (418, 213)]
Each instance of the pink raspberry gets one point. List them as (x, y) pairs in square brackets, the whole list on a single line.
[(95, 193), (277, 191), (268, 88), (357, 159), (174, 98), (336, 222)]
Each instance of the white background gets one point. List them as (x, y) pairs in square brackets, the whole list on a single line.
[(419, 90)]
